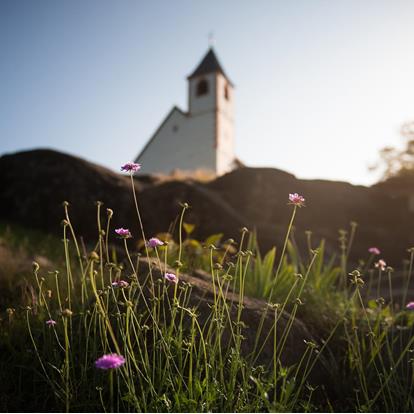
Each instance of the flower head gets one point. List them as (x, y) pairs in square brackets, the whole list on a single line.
[(381, 264), (296, 200), (154, 242), (374, 250), (410, 306), (67, 312), (120, 284), (51, 323), (171, 277), (124, 233), (110, 361), (131, 167)]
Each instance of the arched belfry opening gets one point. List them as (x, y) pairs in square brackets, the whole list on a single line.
[(226, 92), (202, 87)]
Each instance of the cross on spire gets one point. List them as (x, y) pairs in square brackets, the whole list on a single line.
[(211, 39)]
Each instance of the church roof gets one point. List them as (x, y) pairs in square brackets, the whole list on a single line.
[(209, 64)]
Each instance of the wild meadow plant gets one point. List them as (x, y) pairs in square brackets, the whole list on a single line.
[(115, 331)]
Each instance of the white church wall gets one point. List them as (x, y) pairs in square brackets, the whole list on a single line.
[(225, 123), (200, 142), (181, 143)]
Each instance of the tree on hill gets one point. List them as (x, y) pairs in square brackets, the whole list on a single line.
[(397, 162)]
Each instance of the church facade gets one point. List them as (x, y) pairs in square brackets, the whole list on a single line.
[(202, 137)]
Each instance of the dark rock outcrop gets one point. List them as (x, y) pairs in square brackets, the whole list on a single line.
[(33, 185), (201, 299)]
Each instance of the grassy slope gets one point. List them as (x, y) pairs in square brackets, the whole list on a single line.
[(322, 305)]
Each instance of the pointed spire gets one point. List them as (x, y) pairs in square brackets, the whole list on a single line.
[(209, 64)]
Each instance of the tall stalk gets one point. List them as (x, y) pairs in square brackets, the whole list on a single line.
[(264, 314)]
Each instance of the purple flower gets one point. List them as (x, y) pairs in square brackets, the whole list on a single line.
[(131, 167), (410, 306), (171, 277), (296, 200), (51, 323), (120, 283), (110, 361), (154, 242), (374, 250), (124, 233), (381, 264)]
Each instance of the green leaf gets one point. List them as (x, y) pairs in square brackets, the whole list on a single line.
[(188, 228), (213, 239)]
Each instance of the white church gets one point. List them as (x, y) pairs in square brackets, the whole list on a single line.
[(202, 137)]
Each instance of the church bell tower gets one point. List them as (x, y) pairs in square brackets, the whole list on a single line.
[(211, 106)]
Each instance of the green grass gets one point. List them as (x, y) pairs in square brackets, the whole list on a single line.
[(180, 360)]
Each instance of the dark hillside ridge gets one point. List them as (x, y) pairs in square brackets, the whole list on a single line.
[(33, 185)]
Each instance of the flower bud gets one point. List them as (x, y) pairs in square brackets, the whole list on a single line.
[(67, 313)]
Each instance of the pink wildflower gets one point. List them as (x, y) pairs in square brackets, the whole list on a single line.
[(171, 277), (131, 167), (410, 306), (296, 200), (124, 233), (154, 242), (381, 264), (110, 361), (374, 250), (120, 284), (51, 323)]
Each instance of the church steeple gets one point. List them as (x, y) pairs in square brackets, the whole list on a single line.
[(209, 64), (207, 84)]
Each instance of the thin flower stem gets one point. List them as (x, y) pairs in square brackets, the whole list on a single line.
[(75, 241), (180, 236), (102, 310), (67, 364), (379, 283), (390, 292), (101, 400), (108, 222), (410, 271), (292, 219), (68, 268), (111, 389), (53, 385), (142, 231), (264, 313), (100, 242)]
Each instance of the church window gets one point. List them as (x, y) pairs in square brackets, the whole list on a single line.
[(202, 87), (175, 128), (226, 93)]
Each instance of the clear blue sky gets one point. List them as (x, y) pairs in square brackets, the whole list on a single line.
[(321, 86)]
